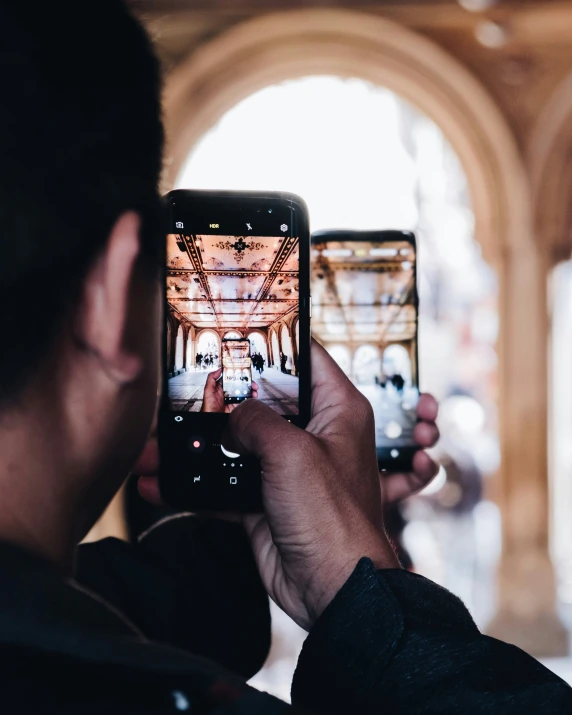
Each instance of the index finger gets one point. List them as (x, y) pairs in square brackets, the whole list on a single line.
[(428, 408), (397, 487)]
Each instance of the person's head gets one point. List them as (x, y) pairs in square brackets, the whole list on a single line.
[(80, 217)]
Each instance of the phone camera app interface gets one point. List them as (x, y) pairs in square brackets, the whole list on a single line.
[(365, 314), (233, 311)]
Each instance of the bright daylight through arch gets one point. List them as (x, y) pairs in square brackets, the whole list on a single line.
[(364, 158)]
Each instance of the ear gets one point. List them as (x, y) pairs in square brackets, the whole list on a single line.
[(107, 295)]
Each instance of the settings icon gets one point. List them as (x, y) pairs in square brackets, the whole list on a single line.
[(284, 227)]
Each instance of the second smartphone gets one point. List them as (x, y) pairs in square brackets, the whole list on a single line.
[(365, 313), (237, 327), (236, 369)]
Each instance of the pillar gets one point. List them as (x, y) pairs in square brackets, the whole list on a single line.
[(560, 420), (292, 329), (185, 343), (169, 338), (526, 613), (172, 343), (411, 348), (190, 358)]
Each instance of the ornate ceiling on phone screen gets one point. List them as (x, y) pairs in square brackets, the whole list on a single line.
[(360, 297), (232, 281)]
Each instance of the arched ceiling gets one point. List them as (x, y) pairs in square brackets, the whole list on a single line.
[(226, 282), (280, 46), (521, 75), (358, 296)]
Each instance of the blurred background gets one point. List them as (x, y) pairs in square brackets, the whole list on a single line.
[(452, 119)]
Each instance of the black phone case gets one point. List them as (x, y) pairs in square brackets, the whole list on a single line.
[(195, 473), (404, 462)]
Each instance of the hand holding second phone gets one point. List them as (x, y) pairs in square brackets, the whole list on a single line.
[(213, 395), (321, 493)]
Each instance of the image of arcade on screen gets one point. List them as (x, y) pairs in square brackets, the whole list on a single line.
[(365, 314), (233, 306)]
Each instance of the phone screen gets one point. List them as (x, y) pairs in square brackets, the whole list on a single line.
[(225, 287), (236, 370), (236, 328), (365, 310)]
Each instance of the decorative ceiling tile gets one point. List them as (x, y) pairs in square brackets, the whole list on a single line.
[(184, 286), (234, 282), (177, 256), (238, 252)]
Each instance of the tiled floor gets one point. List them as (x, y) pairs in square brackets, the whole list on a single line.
[(277, 390)]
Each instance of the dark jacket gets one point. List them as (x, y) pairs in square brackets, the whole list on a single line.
[(390, 642)]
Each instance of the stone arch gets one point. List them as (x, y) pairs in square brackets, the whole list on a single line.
[(169, 345), (211, 336), (550, 169), (260, 343), (295, 338), (290, 45), (275, 348), (189, 347), (297, 335), (172, 327), (398, 356), (286, 346), (280, 46), (366, 364)]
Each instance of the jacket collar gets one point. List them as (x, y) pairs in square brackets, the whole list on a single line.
[(42, 611)]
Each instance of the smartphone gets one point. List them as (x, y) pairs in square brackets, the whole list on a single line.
[(236, 370), (237, 286), (365, 313)]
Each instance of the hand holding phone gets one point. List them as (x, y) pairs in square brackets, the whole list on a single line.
[(318, 533), (322, 496)]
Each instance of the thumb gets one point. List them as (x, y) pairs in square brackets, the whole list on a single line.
[(254, 428), (212, 377)]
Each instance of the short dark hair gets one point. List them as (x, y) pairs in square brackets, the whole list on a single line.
[(81, 142)]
